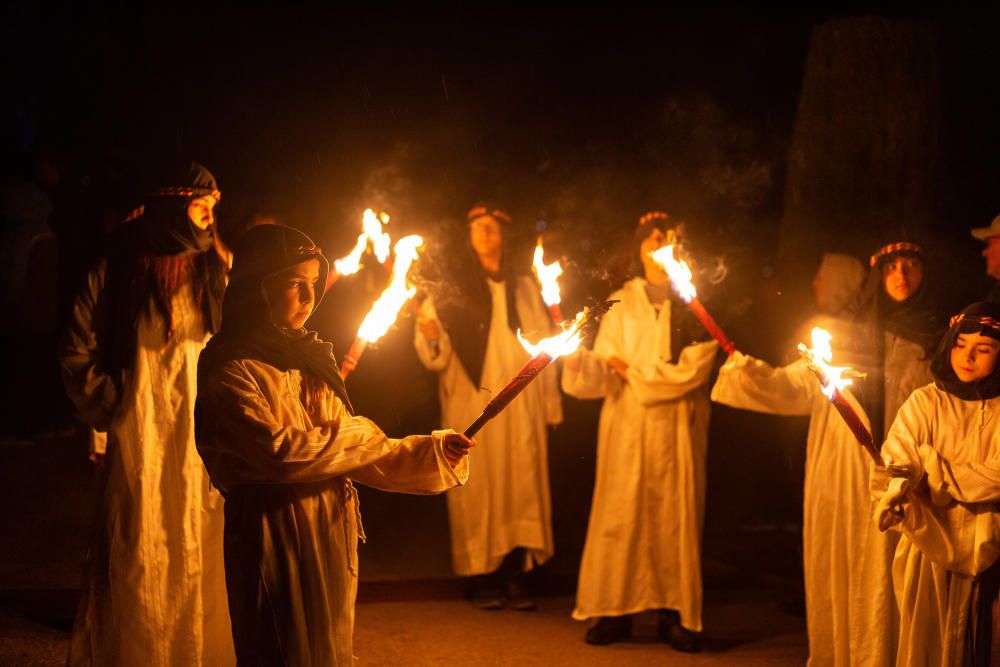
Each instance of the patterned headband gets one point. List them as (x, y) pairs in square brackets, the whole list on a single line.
[(981, 320), (309, 250), (480, 211), (186, 191), (902, 246), (653, 215)]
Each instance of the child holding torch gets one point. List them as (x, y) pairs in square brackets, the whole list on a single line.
[(643, 546), (501, 522), (940, 487), (276, 430), (851, 616)]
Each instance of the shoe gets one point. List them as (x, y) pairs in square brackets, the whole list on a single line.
[(518, 596), (486, 593), (670, 631), (608, 630)]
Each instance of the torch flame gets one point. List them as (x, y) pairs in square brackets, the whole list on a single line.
[(566, 342), (678, 271), (820, 355), (372, 226), (373, 230), (548, 275), (385, 310)]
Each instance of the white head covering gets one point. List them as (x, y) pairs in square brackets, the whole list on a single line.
[(841, 279)]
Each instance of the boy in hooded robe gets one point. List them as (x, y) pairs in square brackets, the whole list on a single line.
[(467, 335), (940, 487), (278, 435), (643, 547), (153, 593)]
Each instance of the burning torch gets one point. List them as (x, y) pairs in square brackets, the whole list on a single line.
[(548, 278), (833, 379), (680, 280), (351, 263), (543, 353), (386, 308)]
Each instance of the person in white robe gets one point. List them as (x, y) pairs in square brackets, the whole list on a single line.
[(850, 612), (643, 545), (501, 521), (940, 487), (153, 592), (278, 435)]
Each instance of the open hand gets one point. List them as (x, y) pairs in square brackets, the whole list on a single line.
[(456, 447)]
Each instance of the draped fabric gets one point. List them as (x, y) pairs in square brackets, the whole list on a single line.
[(917, 320), (465, 308), (850, 612), (643, 546), (154, 591), (950, 525), (292, 519), (506, 505), (247, 331), (163, 230), (851, 615), (286, 468)]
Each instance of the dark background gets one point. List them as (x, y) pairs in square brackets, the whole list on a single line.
[(577, 119)]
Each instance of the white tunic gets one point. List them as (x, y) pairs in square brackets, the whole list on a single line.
[(951, 528), (643, 548), (506, 503), (292, 515), (155, 590), (850, 612)]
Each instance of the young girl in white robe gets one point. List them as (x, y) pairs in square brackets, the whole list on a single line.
[(643, 546), (940, 487), (279, 438), (153, 593)]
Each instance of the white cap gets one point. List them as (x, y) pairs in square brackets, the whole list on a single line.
[(986, 233)]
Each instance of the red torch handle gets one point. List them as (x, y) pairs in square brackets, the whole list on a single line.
[(860, 431), (556, 312), (711, 327), (524, 376), (353, 356)]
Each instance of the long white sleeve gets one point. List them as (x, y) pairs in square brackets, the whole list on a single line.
[(751, 384)]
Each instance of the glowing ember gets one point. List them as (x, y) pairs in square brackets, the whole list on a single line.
[(678, 271), (566, 342), (548, 275), (385, 310), (819, 356), (373, 233)]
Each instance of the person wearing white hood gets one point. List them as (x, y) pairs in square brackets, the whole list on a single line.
[(850, 612)]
